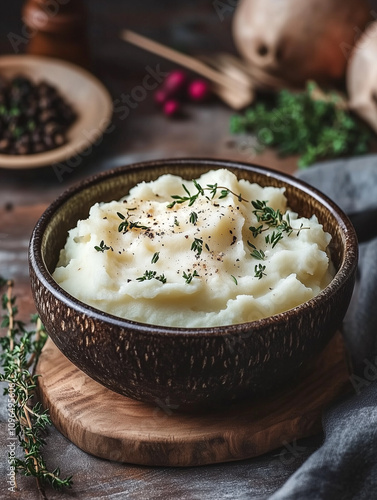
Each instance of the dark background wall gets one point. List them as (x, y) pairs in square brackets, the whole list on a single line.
[(177, 21), (195, 26)]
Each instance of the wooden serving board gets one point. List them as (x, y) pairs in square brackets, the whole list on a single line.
[(118, 428)]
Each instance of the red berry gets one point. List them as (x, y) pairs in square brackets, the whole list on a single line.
[(160, 96), (175, 82), (199, 90), (171, 107)]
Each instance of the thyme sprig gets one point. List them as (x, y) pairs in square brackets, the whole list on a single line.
[(272, 218), (20, 351), (269, 218), (150, 275), (257, 254), (193, 218), (101, 247), (197, 246), (188, 277), (155, 257), (126, 225), (200, 191), (313, 124), (274, 238), (259, 271)]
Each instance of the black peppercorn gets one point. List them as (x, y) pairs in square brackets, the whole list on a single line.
[(34, 117)]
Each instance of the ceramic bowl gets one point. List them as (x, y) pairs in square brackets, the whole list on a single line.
[(87, 95), (188, 366)]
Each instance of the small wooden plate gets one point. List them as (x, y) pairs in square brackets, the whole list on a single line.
[(89, 98), (114, 427)]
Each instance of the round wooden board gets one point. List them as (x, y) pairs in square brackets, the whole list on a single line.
[(114, 427)]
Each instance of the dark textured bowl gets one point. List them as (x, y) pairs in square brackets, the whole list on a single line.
[(188, 366)]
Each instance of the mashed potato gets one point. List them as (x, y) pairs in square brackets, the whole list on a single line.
[(219, 251)]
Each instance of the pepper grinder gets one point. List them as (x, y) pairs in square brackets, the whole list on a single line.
[(57, 29)]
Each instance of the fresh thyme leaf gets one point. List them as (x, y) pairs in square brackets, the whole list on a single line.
[(259, 271), (212, 189), (136, 225), (193, 218), (155, 257), (234, 279), (197, 246), (180, 199), (187, 191), (102, 247), (256, 230), (198, 187), (123, 227), (258, 254), (258, 204), (189, 277), (274, 238), (300, 123), (20, 351), (223, 193)]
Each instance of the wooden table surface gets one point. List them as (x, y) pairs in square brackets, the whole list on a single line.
[(144, 134)]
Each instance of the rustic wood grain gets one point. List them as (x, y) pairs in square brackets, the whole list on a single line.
[(125, 430)]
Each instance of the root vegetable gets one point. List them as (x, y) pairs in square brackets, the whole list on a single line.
[(299, 40), (171, 107), (198, 90), (160, 96), (176, 82), (362, 77)]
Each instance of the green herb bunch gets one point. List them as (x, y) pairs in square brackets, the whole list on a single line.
[(311, 124), (20, 351)]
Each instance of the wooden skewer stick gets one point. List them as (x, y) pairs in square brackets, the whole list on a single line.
[(231, 91)]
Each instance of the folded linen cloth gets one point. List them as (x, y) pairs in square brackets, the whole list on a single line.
[(345, 466)]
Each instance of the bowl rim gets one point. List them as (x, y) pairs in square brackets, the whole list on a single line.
[(37, 263)]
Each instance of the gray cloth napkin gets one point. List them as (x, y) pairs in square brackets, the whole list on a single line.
[(345, 466)]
